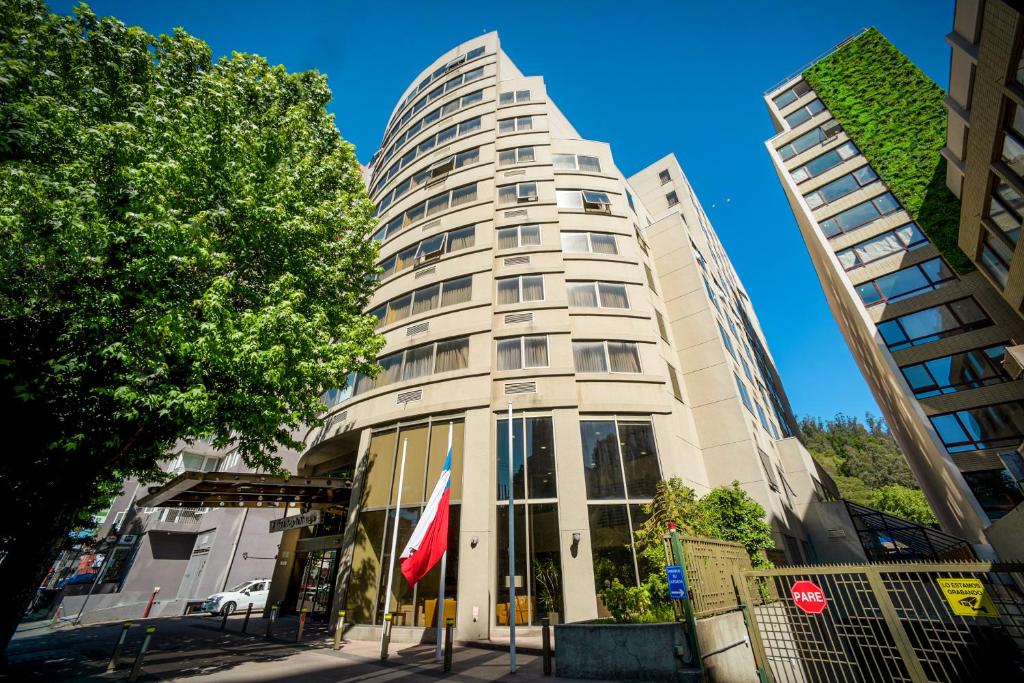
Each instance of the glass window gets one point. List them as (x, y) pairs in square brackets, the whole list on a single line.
[(791, 95), (564, 162), (860, 215), (569, 199), (534, 461), (588, 242), (639, 458), (995, 426), (518, 193), (596, 202), (463, 238), (538, 577), (804, 113), (996, 257), (1005, 209), (806, 141), (418, 362), (594, 294), (457, 291), (744, 394), (515, 124), (966, 370), (900, 284), (840, 187), (620, 459), (904, 238), (664, 176), (452, 355), (512, 290), (518, 353), (996, 490), (519, 236), (516, 155), (599, 356), (672, 198), (825, 162), (933, 323)]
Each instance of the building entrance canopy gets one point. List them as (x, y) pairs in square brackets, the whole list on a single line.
[(237, 489)]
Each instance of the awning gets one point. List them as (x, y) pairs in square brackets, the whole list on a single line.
[(236, 489)]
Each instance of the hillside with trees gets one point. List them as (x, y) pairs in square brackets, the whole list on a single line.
[(866, 464)]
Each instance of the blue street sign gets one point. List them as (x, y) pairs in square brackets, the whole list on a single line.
[(676, 582)]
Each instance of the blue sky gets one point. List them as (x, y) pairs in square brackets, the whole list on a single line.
[(649, 78)]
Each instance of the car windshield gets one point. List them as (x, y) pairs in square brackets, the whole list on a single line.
[(241, 587)]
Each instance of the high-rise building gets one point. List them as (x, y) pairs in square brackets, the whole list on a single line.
[(858, 150), (521, 268), (986, 167)]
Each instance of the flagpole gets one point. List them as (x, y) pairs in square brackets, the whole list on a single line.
[(394, 541), (511, 552), (444, 561)]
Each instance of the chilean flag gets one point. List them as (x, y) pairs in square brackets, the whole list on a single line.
[(430, 537)]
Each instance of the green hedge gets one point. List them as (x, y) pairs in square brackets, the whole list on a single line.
[(894, 114)]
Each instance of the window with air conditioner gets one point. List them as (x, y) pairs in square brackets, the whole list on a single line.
[(596, 202)]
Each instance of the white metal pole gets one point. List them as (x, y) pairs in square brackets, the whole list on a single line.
[(394, 537), (444, 562), (511, 551)]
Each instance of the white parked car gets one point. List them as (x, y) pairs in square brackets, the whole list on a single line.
[(238, 598)]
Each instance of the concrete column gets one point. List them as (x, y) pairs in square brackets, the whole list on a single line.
[(351, 529), (476, 565), (577, 561), (283, 567)]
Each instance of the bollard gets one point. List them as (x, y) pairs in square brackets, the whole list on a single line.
[(248, 613), (339, 630), (224, 621), (149, 605), (270, 621), (545, 635), (137, 666), (385, 637), (302, 624), (116, 654), (449, 625)]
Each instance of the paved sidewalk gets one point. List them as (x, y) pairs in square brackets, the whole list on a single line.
[(193, 648)]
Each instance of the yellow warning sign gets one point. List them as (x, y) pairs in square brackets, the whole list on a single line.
[(968, 598)]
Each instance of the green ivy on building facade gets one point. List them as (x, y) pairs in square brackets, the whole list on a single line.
[(894, 114)]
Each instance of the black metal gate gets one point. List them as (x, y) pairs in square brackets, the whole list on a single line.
[(894, 622)]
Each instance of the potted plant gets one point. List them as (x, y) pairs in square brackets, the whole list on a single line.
[(547, 577)]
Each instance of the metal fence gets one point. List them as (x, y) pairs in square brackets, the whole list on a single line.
[(915, 622), (710, 566)]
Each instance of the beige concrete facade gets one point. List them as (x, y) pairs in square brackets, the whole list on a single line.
[(986, 88), (629, 382), (855, 266)]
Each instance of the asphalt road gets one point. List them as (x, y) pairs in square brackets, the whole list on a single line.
[(193, 648)]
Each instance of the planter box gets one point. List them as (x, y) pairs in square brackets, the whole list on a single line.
[(625, 652)]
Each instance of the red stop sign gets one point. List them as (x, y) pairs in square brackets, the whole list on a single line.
[(808, 597)]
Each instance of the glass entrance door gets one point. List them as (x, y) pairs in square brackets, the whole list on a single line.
[(317, 588)]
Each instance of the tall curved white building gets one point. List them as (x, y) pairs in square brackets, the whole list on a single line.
[(521, 266)]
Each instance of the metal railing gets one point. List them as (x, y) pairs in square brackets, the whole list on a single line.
[(915, 622), (813, 62), (710, 566)]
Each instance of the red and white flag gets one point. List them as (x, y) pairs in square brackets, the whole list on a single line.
[(430, 537)]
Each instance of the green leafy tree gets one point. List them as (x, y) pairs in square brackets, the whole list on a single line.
[(861, 457), (726, 512), (185, 254), (907, 503)]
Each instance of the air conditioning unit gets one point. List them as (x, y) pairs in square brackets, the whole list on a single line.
[(429, 256), (127, 539), (831, 130)]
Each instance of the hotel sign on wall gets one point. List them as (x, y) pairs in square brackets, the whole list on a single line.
[(295, 521)]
